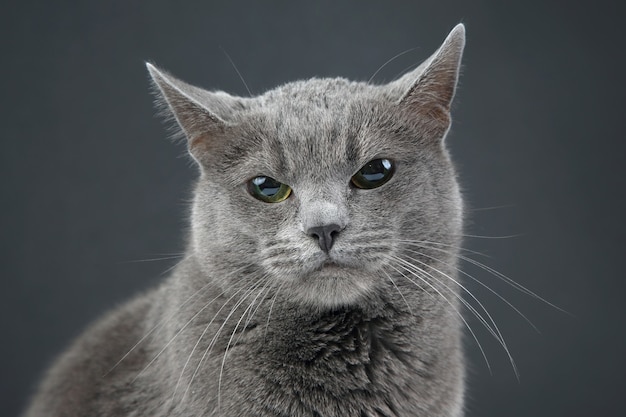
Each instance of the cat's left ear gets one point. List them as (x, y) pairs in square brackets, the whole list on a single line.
[(433, 83)]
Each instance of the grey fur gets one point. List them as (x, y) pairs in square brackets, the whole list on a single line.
[(255, 321)]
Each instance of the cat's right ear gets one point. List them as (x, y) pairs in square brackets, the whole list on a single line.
[(194, 109)]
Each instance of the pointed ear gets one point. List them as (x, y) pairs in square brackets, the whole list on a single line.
[(434, 81), (185, 103)]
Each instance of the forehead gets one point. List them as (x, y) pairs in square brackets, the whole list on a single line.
[(317, 128), (318, 124), (303, 133)]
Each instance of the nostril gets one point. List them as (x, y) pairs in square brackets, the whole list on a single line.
[(325, 235)]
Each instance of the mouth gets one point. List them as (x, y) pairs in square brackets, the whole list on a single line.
[(331, 283), (330, 265)]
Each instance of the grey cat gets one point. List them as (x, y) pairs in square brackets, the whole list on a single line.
[(319, 278)]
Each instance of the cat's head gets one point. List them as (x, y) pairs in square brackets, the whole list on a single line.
[(316, 187)]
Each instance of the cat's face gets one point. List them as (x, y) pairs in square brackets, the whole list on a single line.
[(315, 187)]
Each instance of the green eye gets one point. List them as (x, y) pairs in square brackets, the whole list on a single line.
[(268, 189), (373, 174)]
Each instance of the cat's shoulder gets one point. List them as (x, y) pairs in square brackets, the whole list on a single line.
[(87, 369)]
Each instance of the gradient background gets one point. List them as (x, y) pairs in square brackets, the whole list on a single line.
[(91, 186)]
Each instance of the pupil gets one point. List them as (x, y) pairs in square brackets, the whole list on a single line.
[(267, 186), (376, 170)]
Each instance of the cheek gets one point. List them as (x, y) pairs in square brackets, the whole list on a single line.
[(371, 214), (380, 206), (221, 218), (267, 222)]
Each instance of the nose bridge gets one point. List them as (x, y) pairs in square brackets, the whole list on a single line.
[(321, 209)]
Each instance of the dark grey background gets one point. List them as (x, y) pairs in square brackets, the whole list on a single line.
[(91, 186)]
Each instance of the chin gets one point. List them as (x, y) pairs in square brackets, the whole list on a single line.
[(332, 287)]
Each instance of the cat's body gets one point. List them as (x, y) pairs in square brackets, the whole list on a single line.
[(338, 299)]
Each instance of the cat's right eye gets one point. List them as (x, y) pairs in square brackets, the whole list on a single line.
[(268, 189)]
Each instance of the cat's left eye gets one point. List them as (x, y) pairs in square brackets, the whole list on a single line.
[(268, 189), (373, 174)]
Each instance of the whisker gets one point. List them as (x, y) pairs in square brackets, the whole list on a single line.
[(174, 337), (136, 261), (388, 62), (266, 287), (481, 284), (492, 207), (171, 268), (209, 348), (456, 310), (269, 314), (206, 329), (492, 237), (237, 71), (165, 257), (511, 282), (399, 292), (232, 335), (427, 244), (470, 307), (495, 331), (160, 323), (167, 319), (251, 316)]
